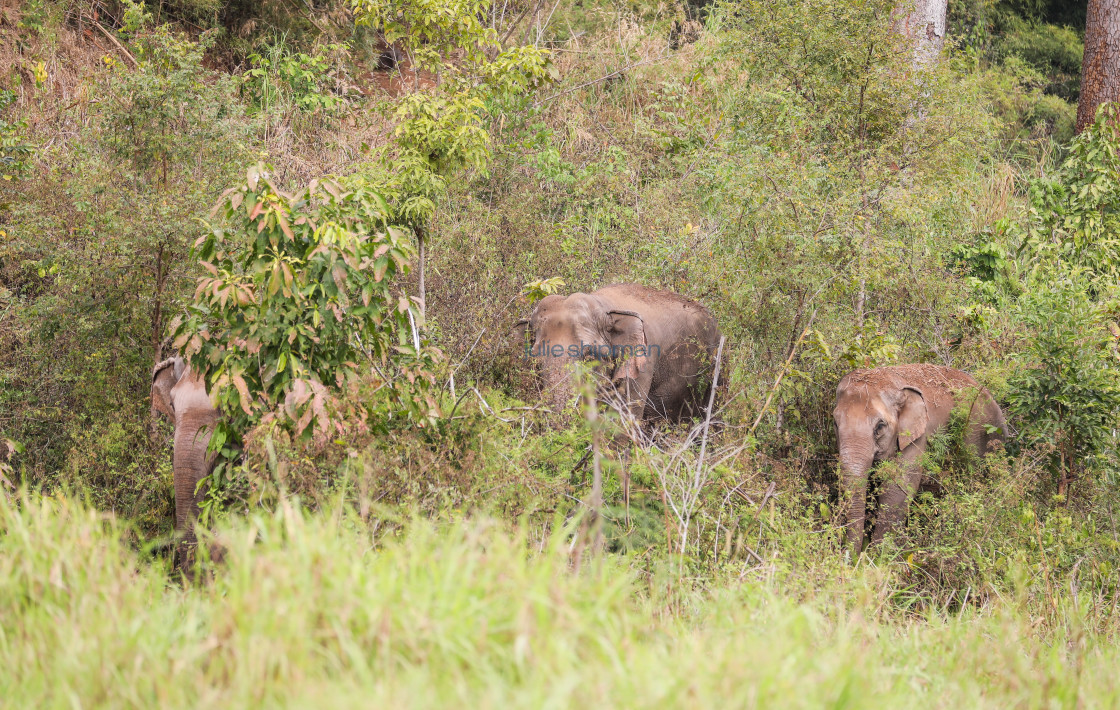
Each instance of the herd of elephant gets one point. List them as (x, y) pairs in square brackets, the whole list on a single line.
[(657, 351)]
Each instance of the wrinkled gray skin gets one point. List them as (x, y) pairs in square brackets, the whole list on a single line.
[(181, 395), (890, 413), (670, 384)]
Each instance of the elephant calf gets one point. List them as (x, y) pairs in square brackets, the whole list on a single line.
[(890, 413), (657, 348), (181, 395)]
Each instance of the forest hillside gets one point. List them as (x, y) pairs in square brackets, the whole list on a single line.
[(323, 233)]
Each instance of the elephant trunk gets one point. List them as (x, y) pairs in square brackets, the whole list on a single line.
[(191, 463), (558, 382), (855, 465)]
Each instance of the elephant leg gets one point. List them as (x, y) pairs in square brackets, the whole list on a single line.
[(975, 442), (187, 550), (899, 491)]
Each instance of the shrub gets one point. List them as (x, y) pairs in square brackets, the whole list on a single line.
[(1066, 388), (1053, 50), (1074, 213), (300, 300), (15, 153), (94, 246), (155, 118), (280, 80)]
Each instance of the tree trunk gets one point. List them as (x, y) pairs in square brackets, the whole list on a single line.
[(162, 268), (924, 26), (421, 236), (1100, 67)]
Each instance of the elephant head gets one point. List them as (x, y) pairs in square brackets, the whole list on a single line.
[(180, 394), (586, 327), (875, 420)]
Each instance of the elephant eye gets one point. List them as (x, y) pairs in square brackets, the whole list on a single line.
[(880, 427)]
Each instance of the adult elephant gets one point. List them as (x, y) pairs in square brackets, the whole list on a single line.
[(889, 413), (656, 348), (181, 395)]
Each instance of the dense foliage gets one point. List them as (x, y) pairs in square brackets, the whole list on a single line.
[(299, 302), (433, 168)]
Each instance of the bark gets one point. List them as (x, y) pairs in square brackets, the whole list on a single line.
[(1100, 67), (924, 25), (421, 235)]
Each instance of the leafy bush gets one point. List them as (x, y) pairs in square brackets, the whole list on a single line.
[(829, 201), (94, 259), (1046, 279), (280, 80), (1066, 388), (1002, 531), (155, 118), (442, 129), (1028, 54), (15, 153), (1052, 50), (1074, 214), (299, 301)]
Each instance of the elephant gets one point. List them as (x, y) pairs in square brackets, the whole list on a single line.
[(656, 348), (889, 413), (180, 394)]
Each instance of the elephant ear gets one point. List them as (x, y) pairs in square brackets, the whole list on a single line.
[(912, 417), (628, 340), (165, 376)]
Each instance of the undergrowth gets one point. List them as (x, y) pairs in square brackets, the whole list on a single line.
[(328, 609)]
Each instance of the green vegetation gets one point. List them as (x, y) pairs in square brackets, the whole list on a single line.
[(298, 291), (312, 610), (14, 153), (394, 520), (281, 82)]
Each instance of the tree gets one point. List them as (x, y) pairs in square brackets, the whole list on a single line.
[(925, 27), (1100, 67), (442, 128)]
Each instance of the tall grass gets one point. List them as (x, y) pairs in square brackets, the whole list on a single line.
[(322, 611)]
